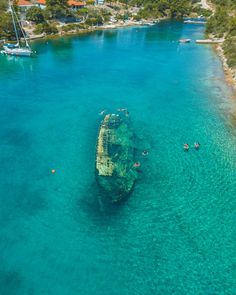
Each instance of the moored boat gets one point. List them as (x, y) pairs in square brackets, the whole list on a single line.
[(184, 40), (17, 49), (115, 169)]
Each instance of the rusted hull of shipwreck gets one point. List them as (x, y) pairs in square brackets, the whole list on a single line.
[(115, 171)]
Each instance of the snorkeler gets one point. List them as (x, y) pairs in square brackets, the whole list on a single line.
[(102, 112), (145, 153), (186, 147), (137, 164), (196, 145), (122, 110)]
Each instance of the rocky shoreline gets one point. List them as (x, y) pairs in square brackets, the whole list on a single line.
[(118, 25), (230, 73)]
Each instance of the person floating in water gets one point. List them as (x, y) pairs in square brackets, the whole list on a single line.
[(186, 147), (145, 153), (137, 164), (122, 110), (102, 112), (196, 145)]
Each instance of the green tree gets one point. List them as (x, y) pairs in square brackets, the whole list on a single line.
[(178, 8), (3, 5), (90, 2), (56, 8), (232, 26), (156, 8), (162, 6), (45, 28), (218, 23), (82, 11), (223, 23), (94, 20), (6, 27), (35, 14)]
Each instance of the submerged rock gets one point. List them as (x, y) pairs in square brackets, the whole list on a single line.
[(115, 169)]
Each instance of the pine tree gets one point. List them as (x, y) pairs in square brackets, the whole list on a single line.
[(56, 8)]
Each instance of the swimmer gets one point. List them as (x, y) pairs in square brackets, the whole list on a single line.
[(122, 110), (145, 153), (186, 147), (196, 145), (102, 112), (137, 164)]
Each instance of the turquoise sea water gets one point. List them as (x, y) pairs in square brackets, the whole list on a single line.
[(175, 234)]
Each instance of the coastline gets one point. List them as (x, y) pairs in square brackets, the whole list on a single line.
[(230, 73), (78, 32)]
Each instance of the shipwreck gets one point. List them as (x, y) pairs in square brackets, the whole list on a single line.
[(116, 171)]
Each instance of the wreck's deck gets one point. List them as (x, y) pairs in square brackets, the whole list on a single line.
[(104, 163)]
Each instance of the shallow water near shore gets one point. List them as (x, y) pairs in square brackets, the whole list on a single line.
[(175, 234)]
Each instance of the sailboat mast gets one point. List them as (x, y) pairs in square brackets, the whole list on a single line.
[(22, 31), (14, 24)]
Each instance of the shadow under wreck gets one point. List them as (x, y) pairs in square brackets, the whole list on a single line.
[(115, 169)]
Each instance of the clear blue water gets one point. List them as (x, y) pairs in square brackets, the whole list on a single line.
[(176, 233)]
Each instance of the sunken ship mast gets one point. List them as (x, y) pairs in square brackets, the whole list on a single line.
[(115, 170)]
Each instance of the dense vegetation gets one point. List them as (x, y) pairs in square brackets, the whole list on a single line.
[(223, 24), (56, 9), (226, 3), (3, 5), (36, 15), (160, 8), (6, 26)]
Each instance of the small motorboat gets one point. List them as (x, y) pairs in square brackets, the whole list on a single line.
[(184, 40)]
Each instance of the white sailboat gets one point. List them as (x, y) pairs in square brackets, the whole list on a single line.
[(17, 49)]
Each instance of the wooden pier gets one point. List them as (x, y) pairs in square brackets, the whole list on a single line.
[(210, 41), (196, 22)]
